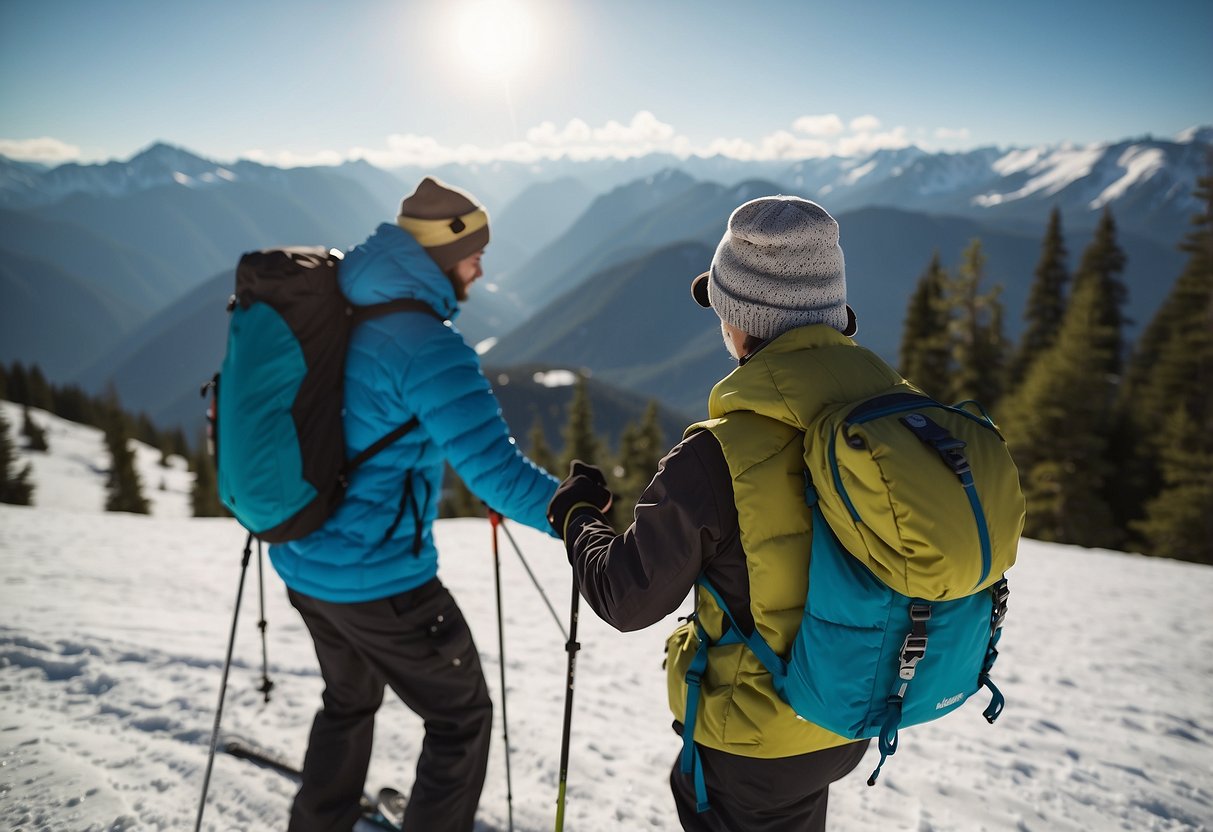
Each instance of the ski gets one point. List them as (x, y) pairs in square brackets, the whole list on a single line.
[(373, 812)]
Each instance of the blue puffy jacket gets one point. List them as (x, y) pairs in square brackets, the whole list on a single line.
[(402, 365)]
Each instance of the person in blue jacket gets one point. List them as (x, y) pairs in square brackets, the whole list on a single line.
[(366, 583)]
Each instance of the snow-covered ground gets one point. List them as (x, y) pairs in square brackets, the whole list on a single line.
[(113, 631)]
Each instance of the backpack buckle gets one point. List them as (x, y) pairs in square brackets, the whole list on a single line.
[(954, 458), (913, 649)]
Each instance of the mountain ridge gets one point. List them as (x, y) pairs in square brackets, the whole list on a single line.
[(994, 180)]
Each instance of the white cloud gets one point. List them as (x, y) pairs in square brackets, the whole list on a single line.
[(644, 128), (548, 135), (810, 136), (293, 159), (867, 142), (865, 124), (45, 149), (577, 139), (823, 125)]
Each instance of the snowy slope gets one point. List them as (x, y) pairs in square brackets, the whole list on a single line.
[(114, 629)]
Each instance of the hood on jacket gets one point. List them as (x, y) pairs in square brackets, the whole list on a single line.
[(390, 265)]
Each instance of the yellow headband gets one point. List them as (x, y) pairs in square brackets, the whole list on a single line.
[(434, 233)]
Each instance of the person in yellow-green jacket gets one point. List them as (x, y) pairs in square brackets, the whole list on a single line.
[(728, 503)]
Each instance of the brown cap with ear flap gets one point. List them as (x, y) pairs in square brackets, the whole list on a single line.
[(448, 222)]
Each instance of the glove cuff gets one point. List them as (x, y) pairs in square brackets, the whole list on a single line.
[(569, 516)]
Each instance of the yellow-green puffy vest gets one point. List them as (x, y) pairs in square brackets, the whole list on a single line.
[(759, 414)]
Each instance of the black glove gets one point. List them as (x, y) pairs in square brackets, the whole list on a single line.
[(585, 484)]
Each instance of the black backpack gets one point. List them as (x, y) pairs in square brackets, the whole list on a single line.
[(277, 417)]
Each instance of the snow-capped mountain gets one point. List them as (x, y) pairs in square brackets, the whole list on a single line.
[(1148, 182), (1096, 175), (158, 165)]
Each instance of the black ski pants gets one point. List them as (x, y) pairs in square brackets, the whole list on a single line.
[(418, 644), (749, 794)]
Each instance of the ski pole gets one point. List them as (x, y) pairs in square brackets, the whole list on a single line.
[(495, 522), (572, 647), (227, 664), (534, 580), (266, 684)]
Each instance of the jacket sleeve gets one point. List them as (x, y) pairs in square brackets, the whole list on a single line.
[(635, 579), (457, 408)]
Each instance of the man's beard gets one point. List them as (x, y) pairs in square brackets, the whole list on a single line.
[(461, 291)]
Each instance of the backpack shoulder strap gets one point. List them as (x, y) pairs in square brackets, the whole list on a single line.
[(365, 313), (358, 314), (690, 762), (771, 660)]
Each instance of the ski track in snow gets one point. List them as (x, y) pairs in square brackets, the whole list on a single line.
[(114, 629)]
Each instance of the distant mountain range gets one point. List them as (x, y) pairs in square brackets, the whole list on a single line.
[(634, 323), (116, 273)]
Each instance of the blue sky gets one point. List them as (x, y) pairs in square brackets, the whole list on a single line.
[(396, 81)]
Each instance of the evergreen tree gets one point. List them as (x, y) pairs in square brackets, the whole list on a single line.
[(35, 435), (3, 382), (145, 431), (539, 451), (579, 439), (204, 494), (1046, 301), (978, 345), (18, 384), (1179, 521), (457, 499), (39, 394), (640, 448), (926, 350), (177, 443), (75, 405), (1103, 261), (15, 485), (125, 487), (1172, 372), (1057, 426)]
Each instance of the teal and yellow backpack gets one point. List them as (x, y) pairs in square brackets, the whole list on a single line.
[(917, 513)]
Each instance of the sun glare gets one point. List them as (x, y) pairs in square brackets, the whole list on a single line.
[(495, 37)]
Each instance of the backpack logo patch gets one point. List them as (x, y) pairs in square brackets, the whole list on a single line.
[(951, 700)]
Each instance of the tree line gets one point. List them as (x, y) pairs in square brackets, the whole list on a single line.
[(1114, 441), (628, 468), (29, 387)]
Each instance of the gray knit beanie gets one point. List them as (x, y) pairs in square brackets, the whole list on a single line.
[(778, 267)]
